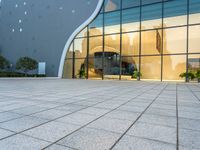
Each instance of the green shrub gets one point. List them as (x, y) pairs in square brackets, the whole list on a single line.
[(26, 64), (4, 63), (17, 74), (189, 75), (136, 74)]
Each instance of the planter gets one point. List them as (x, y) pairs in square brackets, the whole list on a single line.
[(138, 78), (198, 80)]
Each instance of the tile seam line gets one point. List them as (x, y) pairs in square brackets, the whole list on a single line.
[(137, 119), (58, 118), (95, 119)]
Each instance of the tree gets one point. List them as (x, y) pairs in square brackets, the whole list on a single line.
[(4, 63), (26, 64)]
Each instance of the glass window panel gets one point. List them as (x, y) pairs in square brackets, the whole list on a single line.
[(111, 5), (176, 64), (130, 3), (193, 62), (175, 40), (95, 68), (68, 67), (112, 22), (152, 16), (83, 33), (131, 19), (95, 28), (95, 45), (151, 67), (129, 65), (151, 42), (194, 39), (194, 11), (70, 51), (130, 44), (80, 47), (175, 13), (111, 56), (144, 2), (80, 68)]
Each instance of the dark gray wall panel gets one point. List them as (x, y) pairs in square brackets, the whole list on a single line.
[(40, 28)]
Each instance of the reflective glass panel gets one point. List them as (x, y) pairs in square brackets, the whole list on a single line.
[(111, 57), (130, 3), (80, 68), (129, 65), (175, 13), (95, 45), (131, 19), (194, 11), (151, 67), (95, 68), (70, 51), (193, 62), (175, 65), (175, 40), (144, 2), (68, 68), (130, 44), (151, 42), (83, 33), (194, 39), (80, 48), (152, 16), (111, 5), (112, 22), (96, 27)]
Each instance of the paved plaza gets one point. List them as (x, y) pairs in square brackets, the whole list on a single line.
[(55, 114)]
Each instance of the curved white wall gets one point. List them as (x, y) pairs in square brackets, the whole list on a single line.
[(69, 41)]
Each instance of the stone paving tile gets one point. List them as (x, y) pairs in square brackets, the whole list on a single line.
[(189, 138), (5, 133), (51, 131), (154, 132), (163, 112), (21, 142), (94, 111), (21, 124), (190, 124), (58, 147), (5, 116), (135, 143), (51, 114), (159, 120), (110, 124), (77, 118), (124, 115), (90, 139)]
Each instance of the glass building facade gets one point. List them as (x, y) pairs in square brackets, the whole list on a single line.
[(158, 38)]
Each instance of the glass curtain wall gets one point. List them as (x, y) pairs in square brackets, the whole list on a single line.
[(138, 39)]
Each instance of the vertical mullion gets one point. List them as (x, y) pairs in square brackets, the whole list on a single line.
[(73, 61), (162, 41), (120, 59), (87, 59), (103, 40), (140, 40), (187, 43)]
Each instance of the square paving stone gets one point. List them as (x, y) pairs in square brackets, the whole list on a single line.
[(154, 132), (124, 115), (134, 143), (94, 111), (52, 131), (163, 112), (5, 133), (189, 138), (158, 119), (90, 139), (21, 142), (51, 114), (190, 124), (110, 124), (77, 118), (21, 124), (58, 147), (5, 116)]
